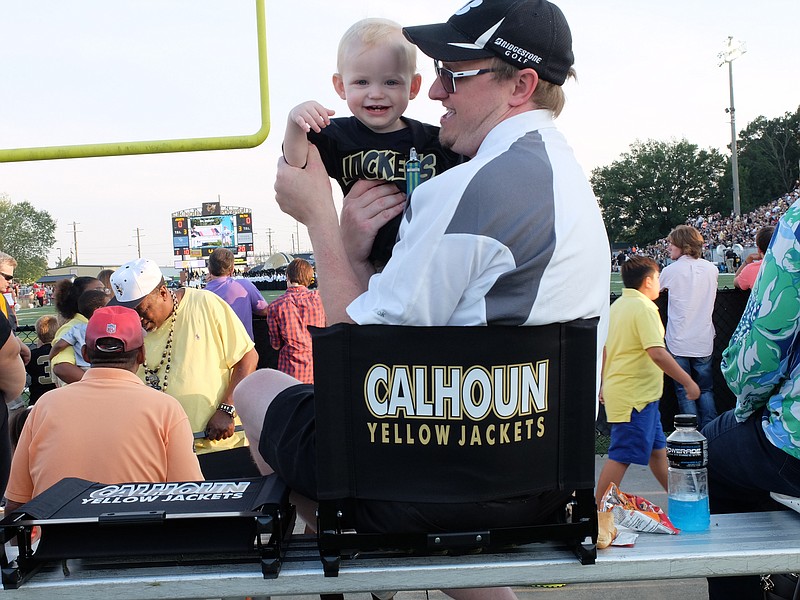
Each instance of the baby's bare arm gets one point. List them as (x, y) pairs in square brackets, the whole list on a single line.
[(58, 346), (303, 118)]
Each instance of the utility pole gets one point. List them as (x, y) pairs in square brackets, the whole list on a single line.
[(297, 232), (269, 236), (292, 243), (138, 242), (75, 240), (733, 50)]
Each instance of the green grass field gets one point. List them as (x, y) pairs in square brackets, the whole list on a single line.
[(725, 281), (28, 316)]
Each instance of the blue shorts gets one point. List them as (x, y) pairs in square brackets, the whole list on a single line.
[(633, 442)]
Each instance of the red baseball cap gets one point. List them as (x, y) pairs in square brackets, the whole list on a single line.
[(114, 329)]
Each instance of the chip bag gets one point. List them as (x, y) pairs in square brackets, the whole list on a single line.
[(635, 512), (606, 530)]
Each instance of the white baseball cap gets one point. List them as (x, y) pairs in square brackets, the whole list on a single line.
[(133, 281)]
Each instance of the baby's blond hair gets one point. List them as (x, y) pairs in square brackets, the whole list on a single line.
[(375, 32)]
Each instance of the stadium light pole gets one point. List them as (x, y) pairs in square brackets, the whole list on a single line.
[(733, 50)]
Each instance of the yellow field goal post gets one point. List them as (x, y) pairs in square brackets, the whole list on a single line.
[(163, 146)]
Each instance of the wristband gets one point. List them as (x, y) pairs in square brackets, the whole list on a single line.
[(228, 409)]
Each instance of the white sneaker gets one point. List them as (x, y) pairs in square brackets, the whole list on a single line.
[(790, 501)]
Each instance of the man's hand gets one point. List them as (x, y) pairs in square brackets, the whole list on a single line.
[(753, 256), (220, 426), (305, 194), (311, 115), (367, 208)]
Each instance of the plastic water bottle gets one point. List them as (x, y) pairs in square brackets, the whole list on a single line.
[(687, 451)]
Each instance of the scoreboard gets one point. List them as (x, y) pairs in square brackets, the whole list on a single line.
[(198, 236)]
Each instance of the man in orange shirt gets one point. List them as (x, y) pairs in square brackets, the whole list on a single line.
[(748, 271), (136, 434)]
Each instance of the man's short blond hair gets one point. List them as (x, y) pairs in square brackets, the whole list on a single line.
[(7, 259), (376, 32), (547, 95)]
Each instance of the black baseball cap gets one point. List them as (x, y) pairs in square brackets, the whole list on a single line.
[(524, 33)]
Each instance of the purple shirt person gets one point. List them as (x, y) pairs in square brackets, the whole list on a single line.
[(240, 294)]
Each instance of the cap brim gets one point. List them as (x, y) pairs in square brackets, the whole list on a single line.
[(128, 304), (442, 41), (109, 348)]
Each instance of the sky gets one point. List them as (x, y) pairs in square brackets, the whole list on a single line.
[(94, 71)]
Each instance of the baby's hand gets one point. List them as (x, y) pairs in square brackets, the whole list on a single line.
[(311, 115)]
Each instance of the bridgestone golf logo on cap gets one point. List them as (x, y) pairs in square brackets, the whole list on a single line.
[(517, 53)]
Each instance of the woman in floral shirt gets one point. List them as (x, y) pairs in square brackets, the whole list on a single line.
[(754, 449)]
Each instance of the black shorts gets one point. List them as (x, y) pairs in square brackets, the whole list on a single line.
[(236, 463), (288, 444)]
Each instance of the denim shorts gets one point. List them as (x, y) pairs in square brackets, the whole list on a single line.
[(633, 442)]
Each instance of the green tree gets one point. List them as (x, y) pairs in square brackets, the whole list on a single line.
[(768, 153), (655, 186), (26, 234)]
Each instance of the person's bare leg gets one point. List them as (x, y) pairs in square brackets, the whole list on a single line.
[(613, 471), (659, 465), (306, 510), (252, 398), (503, 593)]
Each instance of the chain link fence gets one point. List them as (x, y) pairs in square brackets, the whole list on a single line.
[(27, 333), (728, 309)]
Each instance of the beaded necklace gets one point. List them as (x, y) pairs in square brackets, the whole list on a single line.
[(151, 375)]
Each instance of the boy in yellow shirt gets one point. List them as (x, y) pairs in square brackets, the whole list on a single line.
[(634, 362)]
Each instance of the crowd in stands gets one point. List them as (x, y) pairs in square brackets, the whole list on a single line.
[(730, 232), (262, 278)]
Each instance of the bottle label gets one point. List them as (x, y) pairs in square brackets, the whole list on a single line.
[(687, 455)]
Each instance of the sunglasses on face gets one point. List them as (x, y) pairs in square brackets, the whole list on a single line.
[(448, 77), (6, 276)]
